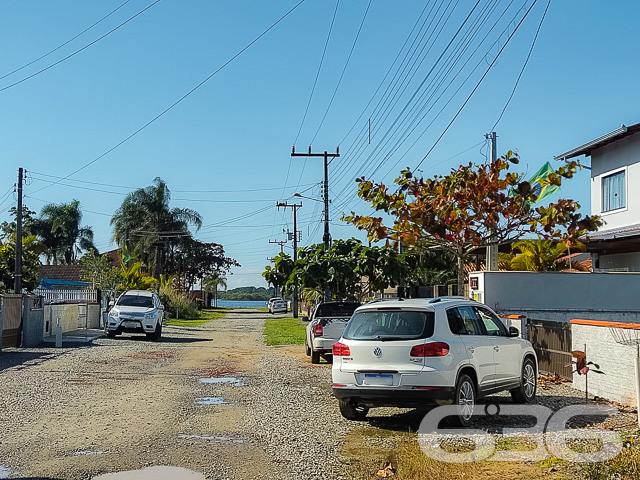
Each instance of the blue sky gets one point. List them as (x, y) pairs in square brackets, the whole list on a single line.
[(224, 149)]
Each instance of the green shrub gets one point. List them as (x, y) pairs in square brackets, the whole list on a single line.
[(176, 303)]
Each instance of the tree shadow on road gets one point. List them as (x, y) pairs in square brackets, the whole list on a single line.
[(22, 360)]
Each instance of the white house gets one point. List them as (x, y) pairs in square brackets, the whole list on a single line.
[(615, 175)]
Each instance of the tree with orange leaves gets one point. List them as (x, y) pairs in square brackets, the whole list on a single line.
[(472, 207)]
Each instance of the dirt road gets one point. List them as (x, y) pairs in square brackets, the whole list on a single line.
[(213, 399)]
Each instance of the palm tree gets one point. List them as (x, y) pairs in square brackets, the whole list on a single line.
[(211, 284), (59, 229), (536, 256), (145, 222)]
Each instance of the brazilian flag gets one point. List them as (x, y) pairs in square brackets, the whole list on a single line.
[(125, 254), (540, 184)]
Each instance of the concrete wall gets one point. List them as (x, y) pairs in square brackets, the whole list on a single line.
[(1, 315), (32, 321), (614, 359), (560, 296), (68, 314), (621, 155)]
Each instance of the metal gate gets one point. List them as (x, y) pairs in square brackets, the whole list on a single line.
[(552, 343), (11, 320)]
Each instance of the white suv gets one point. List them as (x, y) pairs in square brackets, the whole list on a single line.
[(136, 311), (412, 353)]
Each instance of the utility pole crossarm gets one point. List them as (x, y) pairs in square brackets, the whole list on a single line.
[(294, 207), (326, 238)]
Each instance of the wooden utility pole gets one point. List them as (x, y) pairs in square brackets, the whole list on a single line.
[(17, 286), (295, 207), (326, 238)]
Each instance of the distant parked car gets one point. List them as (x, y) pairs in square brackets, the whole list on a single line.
[(417, 352), (136, 311), (325, 328), (278, 306)]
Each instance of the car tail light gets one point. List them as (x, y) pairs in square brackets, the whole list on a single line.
[(433, 349), (317, 329), (340, 350)]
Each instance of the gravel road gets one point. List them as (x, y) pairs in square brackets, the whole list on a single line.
[(127, 403), (212, 399)]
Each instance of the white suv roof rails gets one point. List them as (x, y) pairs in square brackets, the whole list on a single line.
[(450, 298)]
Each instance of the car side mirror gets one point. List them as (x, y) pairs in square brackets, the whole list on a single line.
[(513, 332), (305, 319)]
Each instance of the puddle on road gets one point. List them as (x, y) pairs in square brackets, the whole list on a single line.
[(5, 472), (89, 452), (233, 381), (217, 439), (210, 401), (154, 473)]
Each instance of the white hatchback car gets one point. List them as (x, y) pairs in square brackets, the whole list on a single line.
[(136, 311), (278, 305), (412, 353)]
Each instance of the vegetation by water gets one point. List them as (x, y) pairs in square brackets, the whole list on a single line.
[(247, 293), (203, 316), (284, 331)]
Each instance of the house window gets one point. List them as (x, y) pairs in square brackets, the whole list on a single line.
[(613, 192)]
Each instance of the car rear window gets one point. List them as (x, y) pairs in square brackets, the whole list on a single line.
[(336, 309), (390, 325), (135, 301)]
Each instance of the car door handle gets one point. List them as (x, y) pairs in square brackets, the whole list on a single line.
[(471, 349), (496, 348)]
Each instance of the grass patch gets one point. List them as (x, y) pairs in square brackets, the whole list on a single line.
[(204, 316), (284, 331)]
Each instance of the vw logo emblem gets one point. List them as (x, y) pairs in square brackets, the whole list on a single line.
[(377, 352)]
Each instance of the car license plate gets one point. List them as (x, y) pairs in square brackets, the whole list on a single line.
[(130, 324), (378, 379)]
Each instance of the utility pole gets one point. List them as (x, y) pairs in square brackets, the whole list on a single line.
[(492, 249), (272, 259), (17, 286), (295, 207), (281, 243), (326, 238)]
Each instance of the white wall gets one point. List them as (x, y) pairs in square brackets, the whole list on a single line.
[(561, 296), (615, 360), (623, 154)]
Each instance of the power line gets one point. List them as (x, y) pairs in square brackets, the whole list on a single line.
[(355, 40), (477, 85), (315, 82), (177, 102), (79, 50), (65, 43), (129, 187), (533, 43)]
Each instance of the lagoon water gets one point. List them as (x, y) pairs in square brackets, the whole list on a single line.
[(242, 303)]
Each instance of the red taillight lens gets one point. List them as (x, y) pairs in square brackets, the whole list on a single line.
[(433, 349), (340, 350), (317, 329)]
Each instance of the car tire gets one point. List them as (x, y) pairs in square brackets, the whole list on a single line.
[(111, 334), (315, 357), (155, 336), (526, 392), (351, 411), (464, 400), (307, 350)]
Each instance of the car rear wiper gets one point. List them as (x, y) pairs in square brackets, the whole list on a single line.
[(386, 339)]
